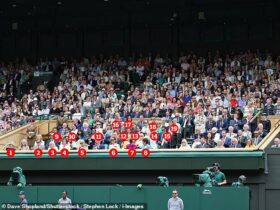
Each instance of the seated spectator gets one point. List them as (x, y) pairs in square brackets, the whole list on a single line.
[(261, 130), (99, 145), (226, 140), (64, 130), (132, 145), (276, 143), (266, 123), (64, 144), (184, 145), (220, 144), (241, 138), (140, 123), (234, 143), (114, 144), (210, 123), (146, 144), (45, 111), (268, 107), (220, 124), (246, 131), (39, 143), (258, 137), (9, 145), (145, 128), (139, 142), (277, 107), (36, 112), (209, 136), (80, 144), (52, 146), (89, 140), (125, 143), (54, 130), (231, 133), (200, 121), (23, 145), (74, 129), (203, 143), (215, 134), (85, 130), (198, 134), (250, 144)]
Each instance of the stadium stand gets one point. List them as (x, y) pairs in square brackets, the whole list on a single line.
[(215, 101)]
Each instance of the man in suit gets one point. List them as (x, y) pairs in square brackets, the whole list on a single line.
[(156, 112), (266, 123), (178, 118), (204, 144), (226, 114), (221, 124), (129, 106), (276, 143), (210, 123), (234, 143), (199, 135), (188, 124), (258, 137), (140, 123), (125, 113), (234, 122), (269, 108)]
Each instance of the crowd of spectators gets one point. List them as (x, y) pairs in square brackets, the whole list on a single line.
[(212, 99)]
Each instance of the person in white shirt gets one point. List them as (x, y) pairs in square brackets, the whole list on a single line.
[(215, 134), (230, 133), (64, 144), (87, 103), (39, 143), (52, 146), (36, 111), (64, 202), (200, 121), (184, 145), (45, 110), (196, 143), (175, 203), (114, 144)]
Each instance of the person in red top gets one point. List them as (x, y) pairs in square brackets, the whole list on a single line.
[(233, 101)]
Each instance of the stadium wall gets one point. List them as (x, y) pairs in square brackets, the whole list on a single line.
[(153, 198)]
